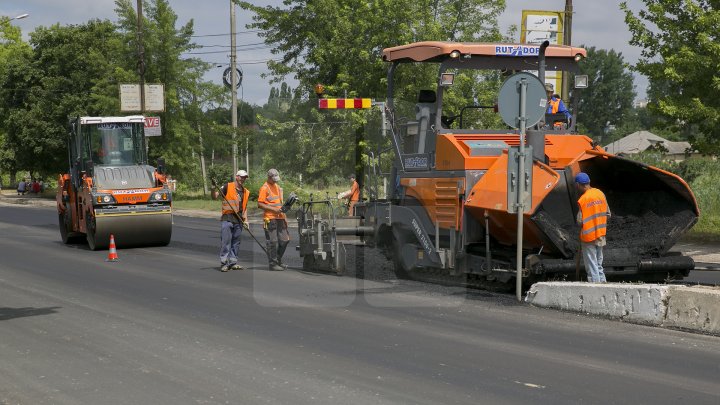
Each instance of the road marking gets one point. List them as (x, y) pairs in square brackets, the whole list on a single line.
[(530, 385)]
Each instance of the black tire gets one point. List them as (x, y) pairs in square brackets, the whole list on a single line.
[(90, 235), (309, 263), (67, 236)]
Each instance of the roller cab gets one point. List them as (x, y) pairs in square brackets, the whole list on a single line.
[(110, 188)]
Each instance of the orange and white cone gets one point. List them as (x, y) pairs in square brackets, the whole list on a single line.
[(112, 254)]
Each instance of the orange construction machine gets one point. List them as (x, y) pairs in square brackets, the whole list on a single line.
[(110, 188), (447, 209)]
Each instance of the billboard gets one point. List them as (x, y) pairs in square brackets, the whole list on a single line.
[(538, 26), (154, 97)]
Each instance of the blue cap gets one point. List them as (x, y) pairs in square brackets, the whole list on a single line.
[(582, 178)]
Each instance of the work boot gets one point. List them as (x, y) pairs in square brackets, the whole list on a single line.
[(224, 268), (236, 266)]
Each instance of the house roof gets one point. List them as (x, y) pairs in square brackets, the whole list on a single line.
[(641, 141)]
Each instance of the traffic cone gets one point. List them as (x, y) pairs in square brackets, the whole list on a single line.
[(112, 254)]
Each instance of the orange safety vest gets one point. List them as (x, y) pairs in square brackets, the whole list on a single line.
[(272, 196), (554, 105), (355, 192), (233, 200), (594, 209)]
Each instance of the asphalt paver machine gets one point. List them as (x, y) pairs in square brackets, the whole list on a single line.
[(447, 209)]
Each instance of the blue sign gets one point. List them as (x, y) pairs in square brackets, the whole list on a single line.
[(517, 50)]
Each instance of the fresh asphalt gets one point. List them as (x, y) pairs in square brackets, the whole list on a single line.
[(163, 326)]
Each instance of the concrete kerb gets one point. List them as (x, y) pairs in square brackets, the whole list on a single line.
[(683, 307)]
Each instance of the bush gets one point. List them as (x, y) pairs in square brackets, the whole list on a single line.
[(708, 197)]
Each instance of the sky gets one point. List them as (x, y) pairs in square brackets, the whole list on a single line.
[(598, 23)]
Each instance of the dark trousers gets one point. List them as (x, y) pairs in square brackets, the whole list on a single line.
[(277, 239)]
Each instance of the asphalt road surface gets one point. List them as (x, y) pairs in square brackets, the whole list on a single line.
[(163, 326)]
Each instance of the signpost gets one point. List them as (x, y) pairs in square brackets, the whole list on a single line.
[(538, 26), (522, 102), (132, 100)]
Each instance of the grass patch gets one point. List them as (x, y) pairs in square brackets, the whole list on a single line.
[(197, 204)]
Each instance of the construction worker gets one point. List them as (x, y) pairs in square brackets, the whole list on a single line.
[(270, 200), (352, 195), (554, 104), (235, 201), (592, 217)]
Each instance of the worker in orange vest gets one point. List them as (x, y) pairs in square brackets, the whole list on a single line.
[(555, 105), (270, 200), (592, 217), (235, 201), (352, 195)]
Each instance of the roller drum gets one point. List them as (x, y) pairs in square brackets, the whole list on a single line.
[(146, 229)]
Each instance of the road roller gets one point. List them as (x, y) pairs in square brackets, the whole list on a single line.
[(110, 188), (448, 211)]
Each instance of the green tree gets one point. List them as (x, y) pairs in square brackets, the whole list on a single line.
[(72, 70), (609, 96), (680, 56), (168, 60), (15, 55), (327, 42)]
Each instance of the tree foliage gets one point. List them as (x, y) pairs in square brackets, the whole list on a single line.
[(680, 44), (166, 62), (70, 71), (610, 94), (339, 44)]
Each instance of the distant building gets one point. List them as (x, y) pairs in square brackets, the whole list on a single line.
[(640, 103), (642, 141)]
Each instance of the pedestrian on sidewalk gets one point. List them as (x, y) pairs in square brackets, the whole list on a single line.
[(270, 200), (22, 187), (593, 216), (235, 202)]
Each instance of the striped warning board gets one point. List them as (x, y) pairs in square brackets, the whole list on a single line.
[(346, 103)]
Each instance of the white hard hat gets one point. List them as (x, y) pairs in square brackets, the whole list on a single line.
[(242, 173)]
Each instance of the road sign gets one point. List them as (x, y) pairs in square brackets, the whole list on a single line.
[(152, 126), (227, 79), (519, 183), (154, 97), (509, 100), (344, 103)]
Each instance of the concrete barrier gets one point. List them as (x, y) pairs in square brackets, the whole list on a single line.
[(692, 308)]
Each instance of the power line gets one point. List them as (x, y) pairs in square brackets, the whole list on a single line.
[(228, 46), (226, 35), (252, 62), (227, 50)]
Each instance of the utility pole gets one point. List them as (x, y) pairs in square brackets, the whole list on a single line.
[(233, 86), (202, 149), (567, 40), (141, 67), (141, 55)]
